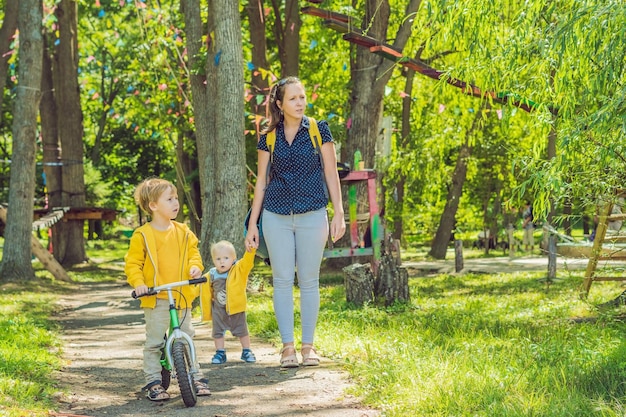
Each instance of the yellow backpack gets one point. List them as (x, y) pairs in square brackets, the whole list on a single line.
[(314, 133)]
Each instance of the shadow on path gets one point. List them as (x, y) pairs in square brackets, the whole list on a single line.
[(103, 344)]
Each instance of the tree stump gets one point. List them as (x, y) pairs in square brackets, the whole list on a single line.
[(392, 282), (359, 283)]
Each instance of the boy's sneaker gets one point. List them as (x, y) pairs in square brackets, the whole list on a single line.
[(248, 356), (202, 387), (219, 357), (156, 392)]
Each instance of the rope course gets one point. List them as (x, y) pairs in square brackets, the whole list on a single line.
[(51, 218)]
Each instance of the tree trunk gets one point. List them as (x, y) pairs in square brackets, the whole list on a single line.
[(46, 259), (186, 183), (287, 36), (16, 254), (203, 86), (406, 136), (390, 285), (392, 282), (259, 85), (68, 237), (370, 74), (7, 34), (229, 200), (567, 216), (50, 133), (440, 243), (359, 284)]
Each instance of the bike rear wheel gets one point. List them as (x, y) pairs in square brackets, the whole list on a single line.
[(182, 364)]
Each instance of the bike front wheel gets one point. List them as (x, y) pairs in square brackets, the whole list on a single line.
[(183, 365)]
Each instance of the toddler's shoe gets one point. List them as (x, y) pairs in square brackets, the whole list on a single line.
[(219, 357), (248, 356)]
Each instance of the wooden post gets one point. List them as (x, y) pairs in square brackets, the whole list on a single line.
[(551, 258), (458, 255), (596, 250)]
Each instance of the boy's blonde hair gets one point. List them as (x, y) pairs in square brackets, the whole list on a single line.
[(223, 244), (149, 190)]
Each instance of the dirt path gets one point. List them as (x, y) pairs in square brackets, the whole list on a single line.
[(103, 341)]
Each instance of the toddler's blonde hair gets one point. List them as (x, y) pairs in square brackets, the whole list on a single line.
[(223, 245)]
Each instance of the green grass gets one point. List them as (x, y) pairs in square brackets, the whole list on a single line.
[(29, 348), (477, 345), (470, 345)]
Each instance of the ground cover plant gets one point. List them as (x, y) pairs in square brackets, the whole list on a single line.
[(502, 344)]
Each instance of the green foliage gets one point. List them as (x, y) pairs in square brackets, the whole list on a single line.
[(136, 100), (565, 57)]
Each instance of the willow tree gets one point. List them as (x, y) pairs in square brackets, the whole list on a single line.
[(16, 255), (587, 53)]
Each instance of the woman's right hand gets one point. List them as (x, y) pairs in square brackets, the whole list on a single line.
[(252, 237)]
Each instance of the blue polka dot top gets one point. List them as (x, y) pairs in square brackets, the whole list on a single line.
[(295, 184)]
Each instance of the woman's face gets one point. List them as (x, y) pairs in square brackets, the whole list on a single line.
[(293, 102)]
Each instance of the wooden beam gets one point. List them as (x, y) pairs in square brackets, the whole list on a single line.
[(387, 52), (326, 14), (336, 25), (611, 278)]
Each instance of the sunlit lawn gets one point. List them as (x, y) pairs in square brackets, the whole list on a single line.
[(29, 348), (467, 345), (479, 345)]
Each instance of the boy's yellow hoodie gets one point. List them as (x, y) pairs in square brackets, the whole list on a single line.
[(142, 263)]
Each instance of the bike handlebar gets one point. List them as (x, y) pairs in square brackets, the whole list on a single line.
[(158, 289)]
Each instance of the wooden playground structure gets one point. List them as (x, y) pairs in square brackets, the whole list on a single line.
[(45, 218), (372, 217), (382, 278), (606, 247)]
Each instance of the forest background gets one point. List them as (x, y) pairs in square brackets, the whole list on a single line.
[(99, 94)]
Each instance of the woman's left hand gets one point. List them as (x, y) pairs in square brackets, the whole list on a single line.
[(337, 227)]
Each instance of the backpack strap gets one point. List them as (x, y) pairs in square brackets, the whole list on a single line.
[(270, 140), (316, 138)]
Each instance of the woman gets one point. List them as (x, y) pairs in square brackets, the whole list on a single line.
[(292, 200)]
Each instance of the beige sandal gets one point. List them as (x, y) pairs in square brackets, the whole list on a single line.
[(288, 361), (309, 358)]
